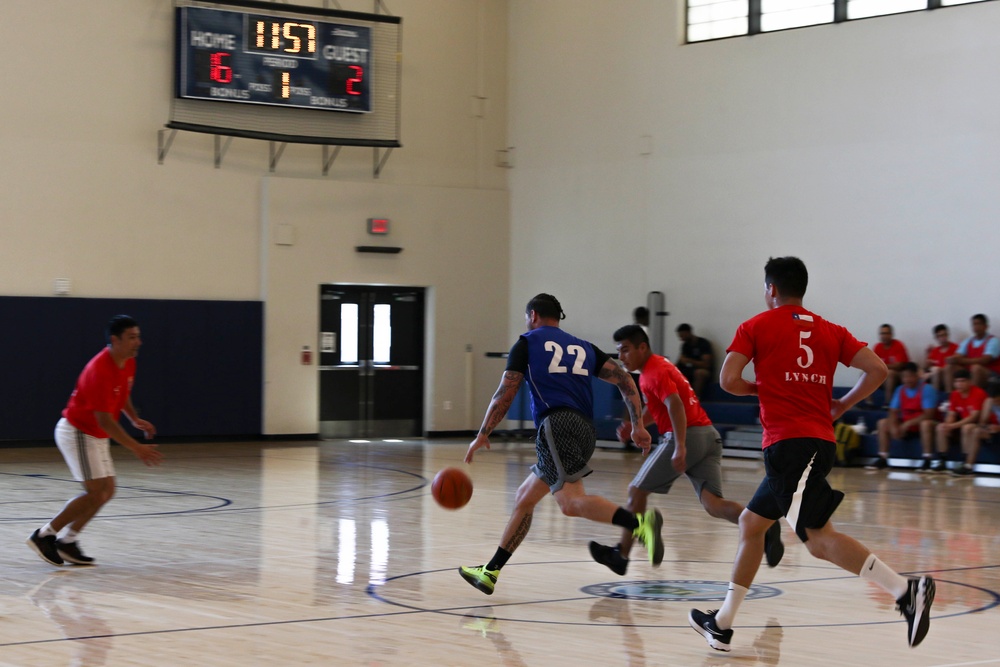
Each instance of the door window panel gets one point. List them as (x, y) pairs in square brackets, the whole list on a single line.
[(381, 334), (348, 333)]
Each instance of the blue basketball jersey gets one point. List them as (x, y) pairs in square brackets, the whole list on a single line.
[(560, 368)]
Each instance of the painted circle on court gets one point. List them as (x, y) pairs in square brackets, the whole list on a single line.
[(677, 590)]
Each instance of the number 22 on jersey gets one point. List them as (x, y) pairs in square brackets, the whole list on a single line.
[(576, 351)]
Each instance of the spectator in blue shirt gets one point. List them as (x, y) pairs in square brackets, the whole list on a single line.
[(979, 354), (911, 415)]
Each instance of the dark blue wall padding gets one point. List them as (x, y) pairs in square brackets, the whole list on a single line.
[(199, 370)]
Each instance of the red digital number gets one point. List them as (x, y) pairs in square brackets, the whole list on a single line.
[(217, 71), (358, 74)]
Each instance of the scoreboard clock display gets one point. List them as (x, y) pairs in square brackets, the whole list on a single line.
[(259, 58)]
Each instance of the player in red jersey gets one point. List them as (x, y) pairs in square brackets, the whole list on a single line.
[(973, 435), (689, 445), (979, 353), (964, 406), (894, 354), (103, 392), (937, 357), (795, 354), (911, 415)]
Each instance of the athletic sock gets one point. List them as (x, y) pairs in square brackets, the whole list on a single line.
[(875, 571), (46, 530), (625, 519), (500, 559), (727, 612), (68, 535)]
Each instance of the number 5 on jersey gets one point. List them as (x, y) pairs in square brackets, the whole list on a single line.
[(808, 350)]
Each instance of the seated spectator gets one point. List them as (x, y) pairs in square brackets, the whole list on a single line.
[(911, 415), (973, 435), (964, 405), (937, 354), (894, 354), (979, 353), (696, 361)]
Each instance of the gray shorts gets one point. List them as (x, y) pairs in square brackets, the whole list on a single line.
[(565, 443), (704, 463)]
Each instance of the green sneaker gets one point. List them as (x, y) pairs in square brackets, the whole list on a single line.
[(482, 578), (648, 532)]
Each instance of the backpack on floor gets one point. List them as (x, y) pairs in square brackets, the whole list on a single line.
[(848, 443)]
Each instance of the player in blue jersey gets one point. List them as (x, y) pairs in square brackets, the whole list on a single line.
[(558, 368)]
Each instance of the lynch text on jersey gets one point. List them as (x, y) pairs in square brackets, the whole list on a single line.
[(815, 378)]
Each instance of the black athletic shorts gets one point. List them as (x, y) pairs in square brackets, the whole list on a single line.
[(795, 484)]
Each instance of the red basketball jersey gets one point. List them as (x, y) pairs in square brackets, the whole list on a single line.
[(893, 353), (911, 407), (963, 406), (938, 354), (101, 387), (795, 353), (977, 348), (658, 379)]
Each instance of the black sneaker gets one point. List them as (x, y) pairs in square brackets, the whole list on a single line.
[(45, 547), (880, 463), (964, 470), (773, 548), (70, 552), (704, 624), (611, 557), (925, 466), (939, 466), (915, 606)]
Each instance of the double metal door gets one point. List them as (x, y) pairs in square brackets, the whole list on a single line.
[(371, 355)]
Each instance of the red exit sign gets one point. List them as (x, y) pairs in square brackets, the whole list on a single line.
[(378, 226)]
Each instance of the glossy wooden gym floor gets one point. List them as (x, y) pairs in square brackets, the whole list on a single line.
[(334, 553)]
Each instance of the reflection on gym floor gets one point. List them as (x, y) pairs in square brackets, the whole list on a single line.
[(334, 553)]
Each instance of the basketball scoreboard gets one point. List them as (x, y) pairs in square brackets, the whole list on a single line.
[(255, 58)]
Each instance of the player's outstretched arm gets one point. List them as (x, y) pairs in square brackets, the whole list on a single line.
[(613, 373), (497, 410), (873, 374)]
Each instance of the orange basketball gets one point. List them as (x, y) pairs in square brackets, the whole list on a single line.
[(451, 488)]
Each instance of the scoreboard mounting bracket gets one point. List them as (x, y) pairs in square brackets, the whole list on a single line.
[(165, 139)]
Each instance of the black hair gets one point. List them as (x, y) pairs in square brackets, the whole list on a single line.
[(683, 327), (962, 373), (633, 333), (981, 317), (788, 275), (941, 327), (547, 307), (119, 324), (909, 366), (886, 326), (641, 315)]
